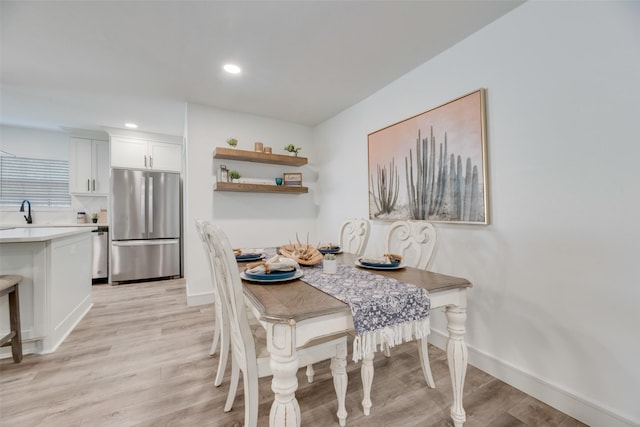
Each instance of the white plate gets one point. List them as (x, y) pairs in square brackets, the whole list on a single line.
[(287, 279), (371, 267)]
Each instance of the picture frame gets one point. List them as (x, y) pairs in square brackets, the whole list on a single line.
[(292, 179), (432, 166)]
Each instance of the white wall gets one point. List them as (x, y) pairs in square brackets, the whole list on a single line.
[(249, 219), (44, 144), (554, 308), (34, 143)]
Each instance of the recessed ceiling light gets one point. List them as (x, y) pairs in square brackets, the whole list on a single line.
[(131, 125), (232, 69)]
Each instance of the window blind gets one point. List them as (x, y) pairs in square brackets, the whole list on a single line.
[(41, 181)]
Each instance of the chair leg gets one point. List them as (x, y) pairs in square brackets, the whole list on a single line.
[(310, 373), (14, 323), (216, 338), (340, 379), (387, 350), (366, 372), (424, 362), (251, 401), (233, 386), (225, 343)]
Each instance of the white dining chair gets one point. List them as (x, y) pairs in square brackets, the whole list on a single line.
[(354, 235), (249, 354), (416, 242), (221, 327)]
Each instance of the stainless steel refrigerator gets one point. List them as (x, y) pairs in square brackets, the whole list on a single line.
[(145, 242)]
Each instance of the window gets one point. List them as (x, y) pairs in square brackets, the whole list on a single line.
[(41, 181)]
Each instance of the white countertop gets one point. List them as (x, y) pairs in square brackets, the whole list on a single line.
[(40, 234), (50, 225)]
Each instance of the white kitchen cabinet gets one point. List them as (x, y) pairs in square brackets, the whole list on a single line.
[(89, 167), (165, 156), (142, 154), (55, 292)]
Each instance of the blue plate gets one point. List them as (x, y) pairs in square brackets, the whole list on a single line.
[(248, 257), (331, 250), (274, 275), (392, 265)]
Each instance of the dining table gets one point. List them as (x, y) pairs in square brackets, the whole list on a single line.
[(295, 313)]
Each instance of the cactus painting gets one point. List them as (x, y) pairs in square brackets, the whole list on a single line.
[(385, 193), (442, 152)]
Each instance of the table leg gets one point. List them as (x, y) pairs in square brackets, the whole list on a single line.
[(457, 358), (285, 410), (340, 380), (366, 373)]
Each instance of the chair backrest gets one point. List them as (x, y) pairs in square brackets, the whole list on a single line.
[(200, 224), (414, 240), (231, 295), (354, 235)]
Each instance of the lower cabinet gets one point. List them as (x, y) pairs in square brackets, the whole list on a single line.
[(55, 292)]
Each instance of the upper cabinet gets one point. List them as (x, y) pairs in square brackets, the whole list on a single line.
[(89, 167), (144, 154)]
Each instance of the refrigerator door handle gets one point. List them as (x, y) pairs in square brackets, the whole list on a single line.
[(143, 207), (157, 242), (150, 219)]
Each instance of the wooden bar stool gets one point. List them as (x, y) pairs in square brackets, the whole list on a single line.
[(9, 286)]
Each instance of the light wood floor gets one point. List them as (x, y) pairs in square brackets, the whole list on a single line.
[(140, 358)]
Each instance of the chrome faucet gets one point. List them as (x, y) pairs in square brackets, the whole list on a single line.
[(28, 216)]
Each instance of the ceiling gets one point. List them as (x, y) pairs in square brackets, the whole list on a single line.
[(96, 64)]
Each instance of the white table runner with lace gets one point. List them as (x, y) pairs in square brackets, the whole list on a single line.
[(384, 309)]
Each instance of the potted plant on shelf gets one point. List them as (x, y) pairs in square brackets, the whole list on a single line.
[(234, 176), (94, 218), (232, 142), (292, 149)]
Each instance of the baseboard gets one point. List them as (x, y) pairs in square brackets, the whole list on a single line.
[(28, 347), (61, 331), (580, 408), (200, 299)]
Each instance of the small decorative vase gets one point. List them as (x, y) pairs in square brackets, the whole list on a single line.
[(329, 266)]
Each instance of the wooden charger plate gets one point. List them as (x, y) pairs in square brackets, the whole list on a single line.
[(312, 255)]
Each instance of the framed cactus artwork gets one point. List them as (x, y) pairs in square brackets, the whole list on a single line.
[(432, 166)]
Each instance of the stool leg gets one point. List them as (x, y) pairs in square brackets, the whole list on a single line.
[(14, 319)]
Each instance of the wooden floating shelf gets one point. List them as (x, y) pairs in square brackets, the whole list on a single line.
[(257, 157), (258, 188)]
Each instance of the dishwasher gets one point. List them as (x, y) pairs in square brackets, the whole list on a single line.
[(100, 268)]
